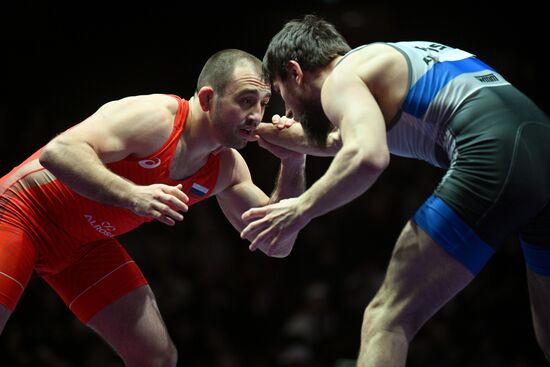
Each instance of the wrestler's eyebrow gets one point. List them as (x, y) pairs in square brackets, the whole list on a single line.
[(253, 91), (249, 91)]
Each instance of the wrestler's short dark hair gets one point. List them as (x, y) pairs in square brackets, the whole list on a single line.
[(312, 42), (217, 72)]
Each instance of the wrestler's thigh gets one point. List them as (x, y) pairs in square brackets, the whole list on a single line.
[(421, 278), (539, 295), (133, 326), (17, 262), (104, 273)]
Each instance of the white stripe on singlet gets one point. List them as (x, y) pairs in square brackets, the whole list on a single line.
[(21, 172), (12, 278), (98, 281)]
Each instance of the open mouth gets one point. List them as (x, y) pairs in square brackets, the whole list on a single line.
[(247, 131)]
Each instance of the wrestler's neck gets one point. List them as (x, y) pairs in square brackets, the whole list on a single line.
[(198, 138), (315, 79)]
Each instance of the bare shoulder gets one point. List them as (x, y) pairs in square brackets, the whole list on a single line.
[(372, 61), (143, 122), (159, 105), (381, 68)]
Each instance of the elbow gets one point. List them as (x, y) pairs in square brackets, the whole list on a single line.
[(334, 143), (373, 161), (53, 153), (47, 155), (380, 160)]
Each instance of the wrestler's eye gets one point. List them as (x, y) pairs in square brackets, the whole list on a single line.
[(247, 101)]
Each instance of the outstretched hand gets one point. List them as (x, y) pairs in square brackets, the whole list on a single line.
[(273, 228)]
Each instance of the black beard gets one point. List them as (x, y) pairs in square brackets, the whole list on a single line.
[(315, 123)]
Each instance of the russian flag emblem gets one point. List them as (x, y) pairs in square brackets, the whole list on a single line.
[(198, 190)]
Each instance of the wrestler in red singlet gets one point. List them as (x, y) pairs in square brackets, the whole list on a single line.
[(70, 240)]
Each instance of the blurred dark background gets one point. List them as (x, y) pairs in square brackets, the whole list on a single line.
[(225, 306)]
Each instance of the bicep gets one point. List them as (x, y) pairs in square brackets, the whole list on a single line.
[(119, 129), (101, 134), (350, 105)]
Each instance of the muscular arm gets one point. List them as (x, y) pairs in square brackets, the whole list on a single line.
[(131, 126), (76, 163), (364, 153), (293, 138), (241, 194), (356, 166)]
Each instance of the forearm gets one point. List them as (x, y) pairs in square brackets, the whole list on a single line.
[(293, 138), (348, 177), (291, 180), (79, 167)]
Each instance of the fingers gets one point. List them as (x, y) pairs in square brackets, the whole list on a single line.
[(260, 233), (171, 213), (264, 237), (288, 122), (273, 244), (174, 197), (170, 202), (177, 191), (254, 245), (254, 213), (279, 121), (255, 224), (282, 122), (163, 219), (251, 230), (166, 214), (173, 202), (276, 120)]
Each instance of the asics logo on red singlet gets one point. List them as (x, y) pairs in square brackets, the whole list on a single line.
[(105, 228), (150, 163)]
